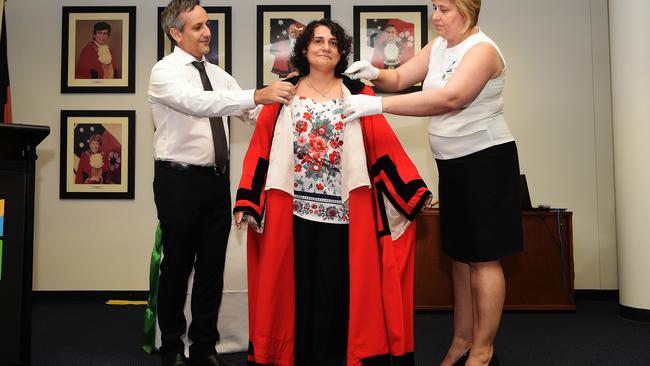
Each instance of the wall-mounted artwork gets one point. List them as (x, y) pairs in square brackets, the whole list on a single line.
[(389, 36), (98, 49), (97, 154)]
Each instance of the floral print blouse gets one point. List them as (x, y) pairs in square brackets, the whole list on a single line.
[(317, 147)]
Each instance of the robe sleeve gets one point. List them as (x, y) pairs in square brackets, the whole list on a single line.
[(251, 196), (86, 67), (83, 169), (399, 190)]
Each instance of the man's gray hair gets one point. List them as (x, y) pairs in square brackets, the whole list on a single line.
[(170, 17)]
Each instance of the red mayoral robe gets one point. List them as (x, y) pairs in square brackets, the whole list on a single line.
[(381, 241), (89, 66)]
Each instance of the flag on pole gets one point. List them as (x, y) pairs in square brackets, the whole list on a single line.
[(5, 93)]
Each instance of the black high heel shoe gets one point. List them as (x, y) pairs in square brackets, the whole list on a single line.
[(463, 358)]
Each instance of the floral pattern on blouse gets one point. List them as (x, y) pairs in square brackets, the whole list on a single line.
[(317, 147)]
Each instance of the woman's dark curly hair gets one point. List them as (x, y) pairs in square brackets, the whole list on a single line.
[(299, 56)]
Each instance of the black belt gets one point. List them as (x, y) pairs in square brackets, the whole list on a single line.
[(190, 168)]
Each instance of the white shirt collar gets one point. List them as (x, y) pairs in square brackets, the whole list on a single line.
[(184, 57)]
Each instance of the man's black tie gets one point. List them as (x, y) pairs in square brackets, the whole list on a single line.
[(216, 124)]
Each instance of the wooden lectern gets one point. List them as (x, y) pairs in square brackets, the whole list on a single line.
[(17, 174)]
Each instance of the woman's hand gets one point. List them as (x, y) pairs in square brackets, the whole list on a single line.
[(430, 203), (357, 106), (362, 70), (239, 216)]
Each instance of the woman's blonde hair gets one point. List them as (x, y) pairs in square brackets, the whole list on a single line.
[(470, 9)]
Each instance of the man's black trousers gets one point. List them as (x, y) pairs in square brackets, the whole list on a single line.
[(194, 213)]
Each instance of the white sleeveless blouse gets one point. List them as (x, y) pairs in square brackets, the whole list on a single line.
[(478, 125)]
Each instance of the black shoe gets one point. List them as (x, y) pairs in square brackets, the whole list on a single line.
[(212, 360), (175, 359), (463, 358), (494, 361)]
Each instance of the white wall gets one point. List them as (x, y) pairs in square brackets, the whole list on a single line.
[(557, 105)]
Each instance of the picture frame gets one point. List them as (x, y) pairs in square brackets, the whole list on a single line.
[(97, 154), (221, 43), (98, 49), (388, 36), (277, 26)]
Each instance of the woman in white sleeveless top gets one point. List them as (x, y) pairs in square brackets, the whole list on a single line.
[(463, 74)]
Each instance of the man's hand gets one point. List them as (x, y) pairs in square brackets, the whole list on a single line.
[(362, 70), (278, 92), (357, 106), (238, 219)]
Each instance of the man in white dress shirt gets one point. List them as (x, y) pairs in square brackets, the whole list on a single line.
[(191, 184)]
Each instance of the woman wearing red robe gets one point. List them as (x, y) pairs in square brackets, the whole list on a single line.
[(93, 165), (330, 209)]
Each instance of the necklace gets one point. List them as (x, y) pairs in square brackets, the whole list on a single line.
[(322, 93)]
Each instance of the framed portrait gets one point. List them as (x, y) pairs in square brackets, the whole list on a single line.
[(97, 154), (220, 43), (278, 26), (98, 49), (388, 36)]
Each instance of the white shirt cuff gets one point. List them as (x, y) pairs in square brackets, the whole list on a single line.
[(247, 99)]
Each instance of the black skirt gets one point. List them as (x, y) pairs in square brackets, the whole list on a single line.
[(480, 204)]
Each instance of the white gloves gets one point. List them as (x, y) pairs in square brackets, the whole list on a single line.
[(362, 70), (357, 106)]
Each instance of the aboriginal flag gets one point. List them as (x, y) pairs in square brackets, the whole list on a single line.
[(5, 94)]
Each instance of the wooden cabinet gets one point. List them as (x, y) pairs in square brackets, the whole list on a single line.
[(538, 278)]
